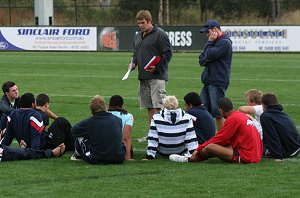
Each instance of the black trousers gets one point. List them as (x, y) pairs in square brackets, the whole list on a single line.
[(60, 132), (12, 153)]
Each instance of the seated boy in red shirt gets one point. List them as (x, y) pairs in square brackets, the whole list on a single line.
[(237, 142)]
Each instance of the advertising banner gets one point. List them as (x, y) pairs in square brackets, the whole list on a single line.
[(264, 38), (244, 38), (108, 39), (121, 38), (48, 38)]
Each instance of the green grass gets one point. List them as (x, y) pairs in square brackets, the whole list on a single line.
[(72, 78)]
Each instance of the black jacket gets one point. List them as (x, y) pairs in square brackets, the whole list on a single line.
[(280, 134), (104, 133), (6, 108), (155, 43), (204, 125)]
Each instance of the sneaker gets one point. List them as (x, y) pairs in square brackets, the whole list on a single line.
[(75, 157), (143, 139), (178, 158), (267, 154), (188, 155)]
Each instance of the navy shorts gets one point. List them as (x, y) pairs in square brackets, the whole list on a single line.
[(236, 158), (210, 95)]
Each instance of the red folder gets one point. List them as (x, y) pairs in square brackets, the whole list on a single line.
[(153, 62)]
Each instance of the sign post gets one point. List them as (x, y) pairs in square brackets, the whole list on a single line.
[(43, 12)]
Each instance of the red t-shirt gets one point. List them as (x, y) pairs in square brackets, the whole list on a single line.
[(239, 132)]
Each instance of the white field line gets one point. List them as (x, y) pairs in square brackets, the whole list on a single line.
[(55, 75), (83, 96), (176, 78), (180, 78), (287, 159), (292, 160), (93, 63), (135, 98)]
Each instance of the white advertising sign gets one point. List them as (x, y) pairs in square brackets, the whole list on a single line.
[(264, 38), (48, 38)]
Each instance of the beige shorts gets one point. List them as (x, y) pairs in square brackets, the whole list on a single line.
[(151, 93)]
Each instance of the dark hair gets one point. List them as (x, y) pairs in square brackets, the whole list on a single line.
[(7, 85), (42, 99), (116, 103), (269, 99), (192, 98), (225, 104), (26, 100)]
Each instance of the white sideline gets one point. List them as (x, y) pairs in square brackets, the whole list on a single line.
[(175, 78), (134, 98)]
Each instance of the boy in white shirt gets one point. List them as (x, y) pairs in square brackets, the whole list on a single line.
[(254, 107)]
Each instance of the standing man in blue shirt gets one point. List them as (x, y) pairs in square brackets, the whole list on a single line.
[(151, 41), (216, 60)]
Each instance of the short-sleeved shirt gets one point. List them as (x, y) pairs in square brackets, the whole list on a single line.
[(240, 133), (127, 119), (258, 111)]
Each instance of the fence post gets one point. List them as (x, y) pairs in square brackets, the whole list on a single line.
[(76, 12), (9, 11)]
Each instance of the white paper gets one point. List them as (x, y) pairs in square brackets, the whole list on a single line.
[(125, 77)]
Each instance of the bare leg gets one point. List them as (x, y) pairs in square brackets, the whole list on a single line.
[(59, 150), (23, 144), (215, 150), (220, 122), (151, 112)]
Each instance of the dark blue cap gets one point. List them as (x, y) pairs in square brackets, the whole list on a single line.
[(209, 25)]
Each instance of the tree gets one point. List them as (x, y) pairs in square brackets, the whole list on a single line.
[(160, 12), (168, 12), (203, 10), (275, 7)]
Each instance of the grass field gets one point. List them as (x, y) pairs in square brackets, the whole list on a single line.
[(72, 78)]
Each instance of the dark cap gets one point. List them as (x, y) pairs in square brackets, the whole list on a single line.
[(209, 25)]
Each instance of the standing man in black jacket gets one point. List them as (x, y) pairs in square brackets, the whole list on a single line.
[(216, 60), (149, 42), (99, 138), (280, 135)]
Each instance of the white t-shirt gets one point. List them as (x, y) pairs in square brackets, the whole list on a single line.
[(258, 111)]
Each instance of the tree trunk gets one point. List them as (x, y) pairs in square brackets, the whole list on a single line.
[(160, 19), (275, 5), (203, 10), (168, 12), (278, 8)]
